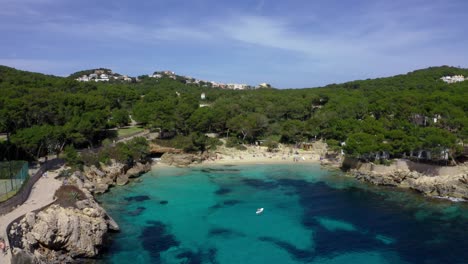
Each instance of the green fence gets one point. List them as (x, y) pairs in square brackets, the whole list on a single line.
[(12, 176)]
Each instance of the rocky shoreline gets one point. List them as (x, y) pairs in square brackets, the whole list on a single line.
[(62, 234), (430, 180)]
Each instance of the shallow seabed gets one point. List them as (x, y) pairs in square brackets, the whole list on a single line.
[(207, 215)]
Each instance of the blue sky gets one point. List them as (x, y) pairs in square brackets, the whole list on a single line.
[(294, 43)]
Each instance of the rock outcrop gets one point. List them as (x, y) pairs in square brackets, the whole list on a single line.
[(99, 180), (59, 235), (181, 159), (431, 180)]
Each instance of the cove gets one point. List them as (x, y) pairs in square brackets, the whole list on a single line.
[(207, 215)]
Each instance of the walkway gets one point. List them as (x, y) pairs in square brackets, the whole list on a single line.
[(41, 195)]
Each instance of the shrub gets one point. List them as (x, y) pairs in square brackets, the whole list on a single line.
[(232, 142), (90, 158), (213, 143), (271, 145), (68, 195), (71, 157)]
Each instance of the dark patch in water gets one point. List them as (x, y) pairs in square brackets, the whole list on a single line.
[(137, 198), (156, 239), (260, 184), (373, 215), (190, 257), (299, 254), (212, 170), (224, 232), (211, 256), (225, 203), (223, 191), (232, 202), (137, 211), (163, 202)]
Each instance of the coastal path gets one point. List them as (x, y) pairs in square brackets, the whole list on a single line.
[(41, 195)]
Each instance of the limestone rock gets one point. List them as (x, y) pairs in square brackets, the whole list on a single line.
[(180, 159), (138, 169), (101, 188), (122, 179), (439, 182), (100, 180), (79, 233)]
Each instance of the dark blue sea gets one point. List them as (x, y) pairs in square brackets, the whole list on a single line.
[(208, 215)]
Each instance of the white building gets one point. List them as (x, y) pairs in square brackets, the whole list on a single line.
[(264, 85), (453, 79), (237, 86), (203, 96), (83, 78), (157, 75)]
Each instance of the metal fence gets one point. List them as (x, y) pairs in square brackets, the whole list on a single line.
[(12, 176)]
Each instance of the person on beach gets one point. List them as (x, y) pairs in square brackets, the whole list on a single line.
[(3, 247)]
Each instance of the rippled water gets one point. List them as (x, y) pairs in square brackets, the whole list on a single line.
[(207, 215)]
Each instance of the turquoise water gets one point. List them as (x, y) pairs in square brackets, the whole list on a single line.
[(207, 215)]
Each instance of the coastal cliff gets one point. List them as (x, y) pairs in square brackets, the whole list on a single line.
[(99, 180), (430, 180), (75, 226)]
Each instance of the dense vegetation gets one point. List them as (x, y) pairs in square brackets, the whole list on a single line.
[(395, 116)]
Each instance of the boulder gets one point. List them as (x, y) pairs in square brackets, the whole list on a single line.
[(122, 179), (101, 188), (70, 231), (138, 169), (180, 159)]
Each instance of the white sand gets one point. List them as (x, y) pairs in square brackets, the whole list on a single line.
[(258, 155)]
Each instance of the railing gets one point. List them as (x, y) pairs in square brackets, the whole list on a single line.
[(22, 195)]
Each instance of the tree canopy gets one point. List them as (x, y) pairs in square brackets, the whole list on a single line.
[(397, 115)]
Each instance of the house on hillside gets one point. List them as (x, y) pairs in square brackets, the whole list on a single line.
[(237, 86), (102, 78), (83, 78), (156, 75), (453, 79), (264, 85), (203, 96)]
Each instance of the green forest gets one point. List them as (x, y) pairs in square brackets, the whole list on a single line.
[(399, 116)]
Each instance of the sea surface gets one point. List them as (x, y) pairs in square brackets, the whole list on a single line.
[(208, 215)]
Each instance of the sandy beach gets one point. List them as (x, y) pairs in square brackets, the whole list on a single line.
[(258, 155)]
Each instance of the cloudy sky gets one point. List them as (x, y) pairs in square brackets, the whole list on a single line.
[(291, 43)]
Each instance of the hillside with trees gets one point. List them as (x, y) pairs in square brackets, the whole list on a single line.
[(414, 114)]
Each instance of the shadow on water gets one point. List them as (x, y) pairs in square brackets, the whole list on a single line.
[(156, 239), (223, 191), (298, 254), (224, 232), (375, 217), (137, 198)]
